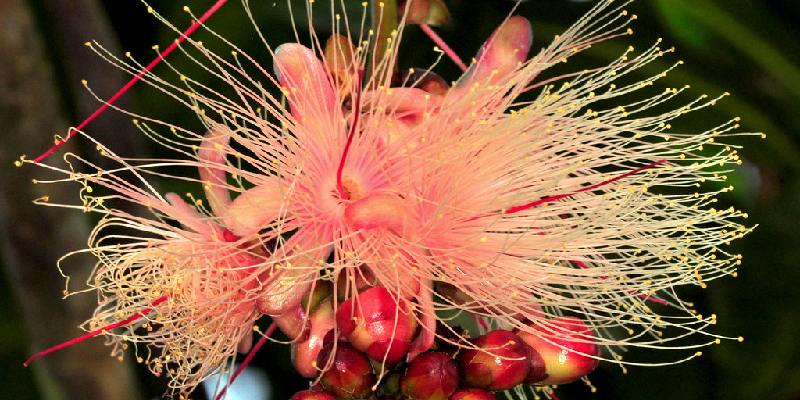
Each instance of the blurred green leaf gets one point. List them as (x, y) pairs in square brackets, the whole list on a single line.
[(762, 52), (680, 24)]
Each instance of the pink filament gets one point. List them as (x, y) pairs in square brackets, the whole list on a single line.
[(557, 197), (356, 118), (443, 45), (192, 28), (248, 359), (97, 332)]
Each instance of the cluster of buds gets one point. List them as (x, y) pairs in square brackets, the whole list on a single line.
[(363, 352)]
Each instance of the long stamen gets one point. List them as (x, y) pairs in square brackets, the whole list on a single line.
[(250, 355), (557, 197), (443, 45), (192, 28), (640, 295), (551, 199), (140, 314), (356, 119)]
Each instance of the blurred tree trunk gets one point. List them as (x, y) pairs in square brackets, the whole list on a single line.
[(34, 237), (67, 25)]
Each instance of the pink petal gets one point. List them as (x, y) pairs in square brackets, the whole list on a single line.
[(502, 53), (211, 156), (187, 216), (307, 85), (255, 209), (427, 332)]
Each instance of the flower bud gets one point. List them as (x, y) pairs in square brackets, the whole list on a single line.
[(431, 12), (349, 375), (293, 324), (338, 56), (354, 281), (502, 53), (312, 395), (500, 361), (473, 394), (431, 376), (305, 353), (566, 351), (377, 323)]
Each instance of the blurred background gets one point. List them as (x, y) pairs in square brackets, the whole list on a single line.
[(747, 47)]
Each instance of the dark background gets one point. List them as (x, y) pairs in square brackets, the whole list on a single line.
[(747, 47)]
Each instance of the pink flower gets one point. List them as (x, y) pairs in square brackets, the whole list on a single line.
[(531, 198)]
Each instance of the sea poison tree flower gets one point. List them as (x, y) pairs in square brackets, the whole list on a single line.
[(521, 200)]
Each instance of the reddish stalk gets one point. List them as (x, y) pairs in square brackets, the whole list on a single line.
[(188, 32), (356, 118), (97, 332), (443, 45), (248, 359), (557, 197)]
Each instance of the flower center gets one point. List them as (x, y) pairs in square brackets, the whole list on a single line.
[(353, 189), (379, 210)]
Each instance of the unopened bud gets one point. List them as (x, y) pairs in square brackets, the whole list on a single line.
[(294, 324), (312, 395), (431, 12), (339, 60), (502, 53), (500, 361), (473, 394), (354, 281), (567, 353), (377, 323), (349, 375), (305, 353), (431, 376)]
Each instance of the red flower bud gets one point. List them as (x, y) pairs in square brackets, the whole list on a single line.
[(377, 323), (431, 376), (293, 323), (565, 352), (350, 374), (473, 394), (501, 361), (312, 395)]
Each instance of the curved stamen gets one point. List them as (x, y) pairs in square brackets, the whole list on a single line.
[(550, 199), (126, 321)]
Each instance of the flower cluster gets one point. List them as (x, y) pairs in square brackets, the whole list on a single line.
[(377, 327), (556, 214)]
